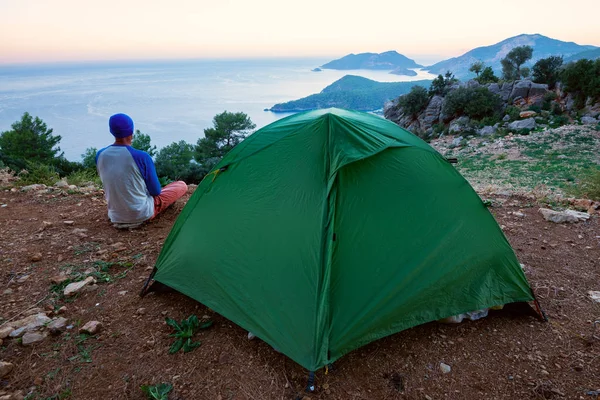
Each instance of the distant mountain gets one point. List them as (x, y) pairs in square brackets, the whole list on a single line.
[(589, 54), (351, 92), (390, 60), (491, 55)]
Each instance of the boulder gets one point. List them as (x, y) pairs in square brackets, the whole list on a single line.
[(520, 89), (33, 337), (61, 184), (506, 118), (560, 217), (494, 88), (458, 125), (537, 90), (506, 90), (589, 120), (456, 141), (487, 130), (528, 123), (431, 115), (569, 102)]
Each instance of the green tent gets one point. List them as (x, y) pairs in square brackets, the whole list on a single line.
[(329, 229)]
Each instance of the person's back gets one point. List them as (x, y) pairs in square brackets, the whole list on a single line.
[(128, 193), (131, 187)]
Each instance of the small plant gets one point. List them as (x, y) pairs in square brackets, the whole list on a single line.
[(184, 332), (157, 392), (38, 173), (502, 156), (84, 177)]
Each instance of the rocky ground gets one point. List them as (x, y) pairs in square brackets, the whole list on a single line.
[(73, 326)]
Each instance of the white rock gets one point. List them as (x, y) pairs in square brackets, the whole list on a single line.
[(563, 216), (37, 186), (57, 325), (91, 327), (445, 368), (594, 295), (17, 332), (5, 368), (68, 222), (75, 287), (31, 323), (33, 337), (61, 184)]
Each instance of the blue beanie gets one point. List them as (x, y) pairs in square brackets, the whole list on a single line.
[(121, 125)]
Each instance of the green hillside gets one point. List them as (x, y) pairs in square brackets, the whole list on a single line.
[(351, 92)]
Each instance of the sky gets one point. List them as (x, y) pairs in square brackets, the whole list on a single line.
[(40, 31)]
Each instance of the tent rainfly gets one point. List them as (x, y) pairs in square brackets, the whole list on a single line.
[(329, 229)]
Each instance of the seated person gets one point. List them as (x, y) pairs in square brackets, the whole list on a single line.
[(131, 186)]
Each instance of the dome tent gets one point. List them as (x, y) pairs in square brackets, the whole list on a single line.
[(329, 229)]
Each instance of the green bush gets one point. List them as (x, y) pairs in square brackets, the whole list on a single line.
[(547, 70), (414, 101), (582, 80), (589, 186), (476, 103), (38, 173), (547, 101), (513, 112), (29, 140), (441, 85), (535, 108), (487, 76), (559, 120)]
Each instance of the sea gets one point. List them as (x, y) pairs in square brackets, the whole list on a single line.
[(168, 100)]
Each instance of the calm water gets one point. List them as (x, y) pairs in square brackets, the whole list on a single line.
[(170, 101)]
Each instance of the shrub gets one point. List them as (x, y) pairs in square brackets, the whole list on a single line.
[(441, 85), (582, 79), (559, 120), (84, 177), (487, 76), (547, 70), (29, 140), (513, 112), (141, 141), (590, 185), (38, 173), (547, 101), (535, 108), (476, 103), (414, 101)]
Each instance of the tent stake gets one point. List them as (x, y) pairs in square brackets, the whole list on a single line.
[(310, 387), (145, 287)]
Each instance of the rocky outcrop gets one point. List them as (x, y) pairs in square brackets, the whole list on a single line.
[(523, 93)]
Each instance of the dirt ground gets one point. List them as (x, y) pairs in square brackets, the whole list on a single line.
[(504, 356)]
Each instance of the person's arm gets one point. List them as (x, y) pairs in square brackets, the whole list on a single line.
[(148, 171)]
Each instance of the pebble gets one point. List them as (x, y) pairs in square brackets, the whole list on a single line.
[(445, 368), (5, 368), (23, 279), (122, 293), (141, 311), (92, 327), (36, 257), (69, 222)]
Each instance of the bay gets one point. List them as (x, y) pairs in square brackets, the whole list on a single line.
[(169, 100)]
